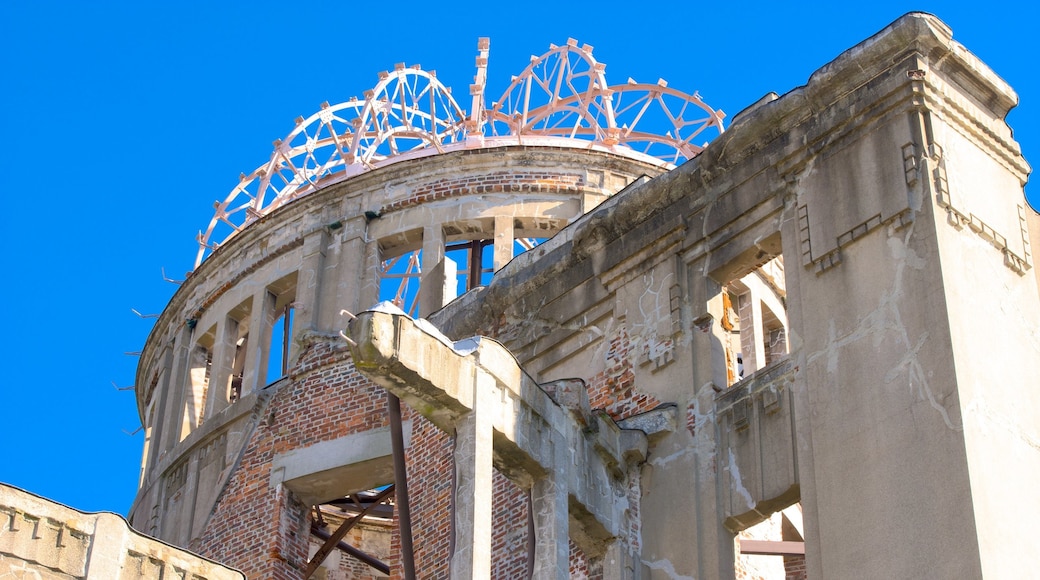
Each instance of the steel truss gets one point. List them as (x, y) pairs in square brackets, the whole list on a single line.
[(562, 98)]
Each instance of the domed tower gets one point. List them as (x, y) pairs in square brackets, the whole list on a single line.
[(261, 437)]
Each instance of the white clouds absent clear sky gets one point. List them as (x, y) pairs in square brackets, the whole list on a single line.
[(124, 121)]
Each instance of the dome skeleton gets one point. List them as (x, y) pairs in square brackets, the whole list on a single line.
[(561, 99)]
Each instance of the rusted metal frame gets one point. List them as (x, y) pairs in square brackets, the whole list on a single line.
[(404, 515), (451, 497), (395, 103), (530, 534), (383, 510), (326, 548), (772, 548), (475, 255), (359, 555), (286, 337), (476, 258)]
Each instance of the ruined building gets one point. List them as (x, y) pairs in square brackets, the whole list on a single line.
[(42, 540), (804, 350)]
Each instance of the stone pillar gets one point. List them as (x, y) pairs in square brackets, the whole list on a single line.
[(159, 436), (757, 343), (220, 371), (503, 241), (261, 319), (616, 563), (108, 548), (368, 293), (307, 314), (802, 406), (431, 292), (714, 556), (178, 386), (351, 275), (474, 487), (549, 507)]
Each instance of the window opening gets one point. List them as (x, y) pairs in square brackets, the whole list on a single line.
[(773, 549), (281, 339), (468, 265), (200, 365), (238, 367), (478, 263), (352, 535), (754, 320), (399, 281), (276, 341)]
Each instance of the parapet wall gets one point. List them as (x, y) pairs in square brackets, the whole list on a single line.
[(42, 539)]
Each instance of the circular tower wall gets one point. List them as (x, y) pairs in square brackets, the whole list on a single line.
[(260, 434), (234, 432)]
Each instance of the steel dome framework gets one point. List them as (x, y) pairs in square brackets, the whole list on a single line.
[(562, 98)]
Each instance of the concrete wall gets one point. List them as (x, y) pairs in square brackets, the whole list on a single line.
[(906, 308), (877, 212), (227, 453), (42, 539)]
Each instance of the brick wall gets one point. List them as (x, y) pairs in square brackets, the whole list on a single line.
[(498, 182), (614, 388), (795, 567), (509, 539), (430, 470), (264, 530)]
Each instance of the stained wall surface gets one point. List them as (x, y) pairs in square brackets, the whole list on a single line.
[(828, 309), (42, 539)]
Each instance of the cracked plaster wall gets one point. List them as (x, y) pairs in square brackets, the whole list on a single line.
[(911, 336), (897, 346)]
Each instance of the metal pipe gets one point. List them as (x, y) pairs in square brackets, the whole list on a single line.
[(401, 486), (530, 534), (356, 553), (451, 498), (286, 337), (475, 259), (326, 548)]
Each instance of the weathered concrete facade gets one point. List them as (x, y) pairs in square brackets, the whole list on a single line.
[(42, 539), (826, 311)]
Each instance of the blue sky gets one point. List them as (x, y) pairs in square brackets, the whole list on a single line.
[(124, 121)]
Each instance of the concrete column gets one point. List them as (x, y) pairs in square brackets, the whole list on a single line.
[(431, 292), (191, 494), (146, 453), (549, 507), (179, 382), (802, 406), (307, 314), (195, 388), (714, 544), (220, 371), (108, 548), (349, 275), (474, 487), (368, 293), (758, 342), (709, 340), (616, 563), (260, 323), (503, 241), (159, 437)]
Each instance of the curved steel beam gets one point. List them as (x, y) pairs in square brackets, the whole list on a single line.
[(562, 94)]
